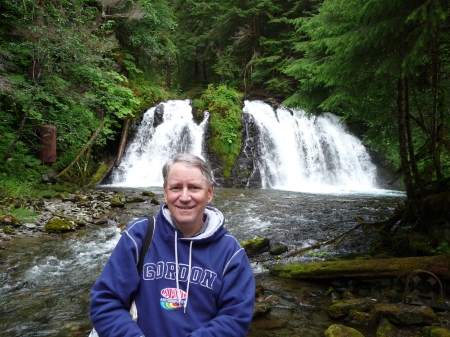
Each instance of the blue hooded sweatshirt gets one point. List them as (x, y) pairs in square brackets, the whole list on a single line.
[(197, 286)]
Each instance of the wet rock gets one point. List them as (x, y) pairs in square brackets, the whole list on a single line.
[(117, 203), (386, 329), (337, 330), (343, 308), (59, 225), (405, 314), (335, 297), (256, 246), (136, 199), (154, 201), (148, 194), (432, 331), (9, 220), (261, 308), (278, 249), (360, 318), (271, 298), (347, 295)]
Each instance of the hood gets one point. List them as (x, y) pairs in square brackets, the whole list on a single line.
[(214, 225)]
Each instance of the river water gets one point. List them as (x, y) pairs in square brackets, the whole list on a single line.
[(45, 282)]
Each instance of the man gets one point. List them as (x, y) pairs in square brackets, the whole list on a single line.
[(196, 280)]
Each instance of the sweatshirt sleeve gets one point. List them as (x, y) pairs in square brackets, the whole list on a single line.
[(113, 291), (236, 302)]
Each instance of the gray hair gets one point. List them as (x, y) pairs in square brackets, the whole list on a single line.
[(189, 160)]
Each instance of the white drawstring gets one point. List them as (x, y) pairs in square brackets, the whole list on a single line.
[(176, 267), (176, 272), (189, 277)]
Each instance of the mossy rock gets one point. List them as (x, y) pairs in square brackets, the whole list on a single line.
[(8, 230), (9, 220), (278, 249), (261, 308), (433, 331), (386, 329), (405, 314), (137, 199), (148, 194), (338, 330), (117, 203), (59, 225), (256, 246), (154, 201), (343, 308)]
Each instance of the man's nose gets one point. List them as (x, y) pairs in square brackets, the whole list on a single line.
[(185, 196)]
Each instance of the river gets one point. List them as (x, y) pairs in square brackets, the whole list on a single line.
[(45, 282)]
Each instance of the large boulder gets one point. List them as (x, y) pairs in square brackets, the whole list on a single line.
[(405, 314)]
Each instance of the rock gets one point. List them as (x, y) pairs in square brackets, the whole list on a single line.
[(30, 225), (337, 330), (261, 308), (278, 249), (272, 298), (347, 295), (59, 225), (256, 246), (433, 331), (360, 318), (48, 179), (148, 194), (405, 314), (136, 199), (386, 329), (343, 308), (154, 201), (9, 220), (117, 203)]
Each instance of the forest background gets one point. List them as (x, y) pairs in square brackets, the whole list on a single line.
[(87, 67)]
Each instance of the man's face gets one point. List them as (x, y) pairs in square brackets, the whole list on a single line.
[(187, 194)]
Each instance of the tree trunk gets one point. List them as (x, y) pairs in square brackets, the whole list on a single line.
[(376, 268), (412, 156), (401, 115), (123, 139)]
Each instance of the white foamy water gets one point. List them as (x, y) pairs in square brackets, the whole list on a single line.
[(304, 154), (152, 147)]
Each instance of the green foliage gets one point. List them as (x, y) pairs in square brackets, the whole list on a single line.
[(442, 248), (62, 65), (225, 111)]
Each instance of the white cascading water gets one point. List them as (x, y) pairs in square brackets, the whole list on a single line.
[(152, 147), (296, 153), (304, 154)]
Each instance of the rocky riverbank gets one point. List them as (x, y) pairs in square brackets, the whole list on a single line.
[(80, 210)]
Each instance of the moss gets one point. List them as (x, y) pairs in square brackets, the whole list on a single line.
[(9, 219), (8, 230), (116, 203), (59, 225), (432, 331), (148, 194), (102, 171), (376, 267), (337, 330), (256, 245)]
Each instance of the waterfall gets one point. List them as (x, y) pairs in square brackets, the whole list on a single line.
[(315, 154), (165, 130), (283, 149)]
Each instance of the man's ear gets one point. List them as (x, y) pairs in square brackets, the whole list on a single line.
[(210, 192)]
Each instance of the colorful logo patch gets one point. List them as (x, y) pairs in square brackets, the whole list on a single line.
[(172, 298)]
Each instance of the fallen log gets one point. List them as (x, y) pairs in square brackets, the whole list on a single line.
[(376, 268)]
